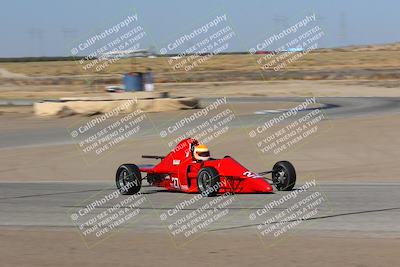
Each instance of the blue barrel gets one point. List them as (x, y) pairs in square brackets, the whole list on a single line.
[(133, 81)]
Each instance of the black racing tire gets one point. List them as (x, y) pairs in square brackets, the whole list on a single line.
[(128, 179), (208, 181), (284, 175)]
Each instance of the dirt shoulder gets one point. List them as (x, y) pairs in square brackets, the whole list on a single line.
[(58, 247), (389, 88)]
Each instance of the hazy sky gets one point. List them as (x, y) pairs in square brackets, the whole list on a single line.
[(52, 27)]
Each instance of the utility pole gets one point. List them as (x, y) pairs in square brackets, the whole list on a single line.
[(343, 28), (68, 35), (36, 37)]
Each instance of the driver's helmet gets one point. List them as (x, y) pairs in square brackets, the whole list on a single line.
[(201, 152)]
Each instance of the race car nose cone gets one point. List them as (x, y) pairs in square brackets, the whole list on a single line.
[(256, 185)]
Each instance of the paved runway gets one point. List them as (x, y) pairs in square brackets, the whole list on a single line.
[(370, 209)]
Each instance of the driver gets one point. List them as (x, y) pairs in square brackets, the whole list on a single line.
[(201, 153)]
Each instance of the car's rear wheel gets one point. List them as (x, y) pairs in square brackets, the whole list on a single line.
[(128, 179), (208, 182), (284, 176)]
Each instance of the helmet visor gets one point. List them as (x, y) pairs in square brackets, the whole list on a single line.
[(204, 154)]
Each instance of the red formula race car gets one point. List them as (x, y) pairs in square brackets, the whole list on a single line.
[(188, 168)]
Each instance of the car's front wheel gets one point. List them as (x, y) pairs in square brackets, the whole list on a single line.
[(208, 182), (284, 175), (128, 179)]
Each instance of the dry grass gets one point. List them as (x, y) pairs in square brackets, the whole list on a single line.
[(312, 61)]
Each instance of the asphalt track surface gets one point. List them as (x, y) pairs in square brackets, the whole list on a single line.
[(369, 208), (333, 107), (365, 208)]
